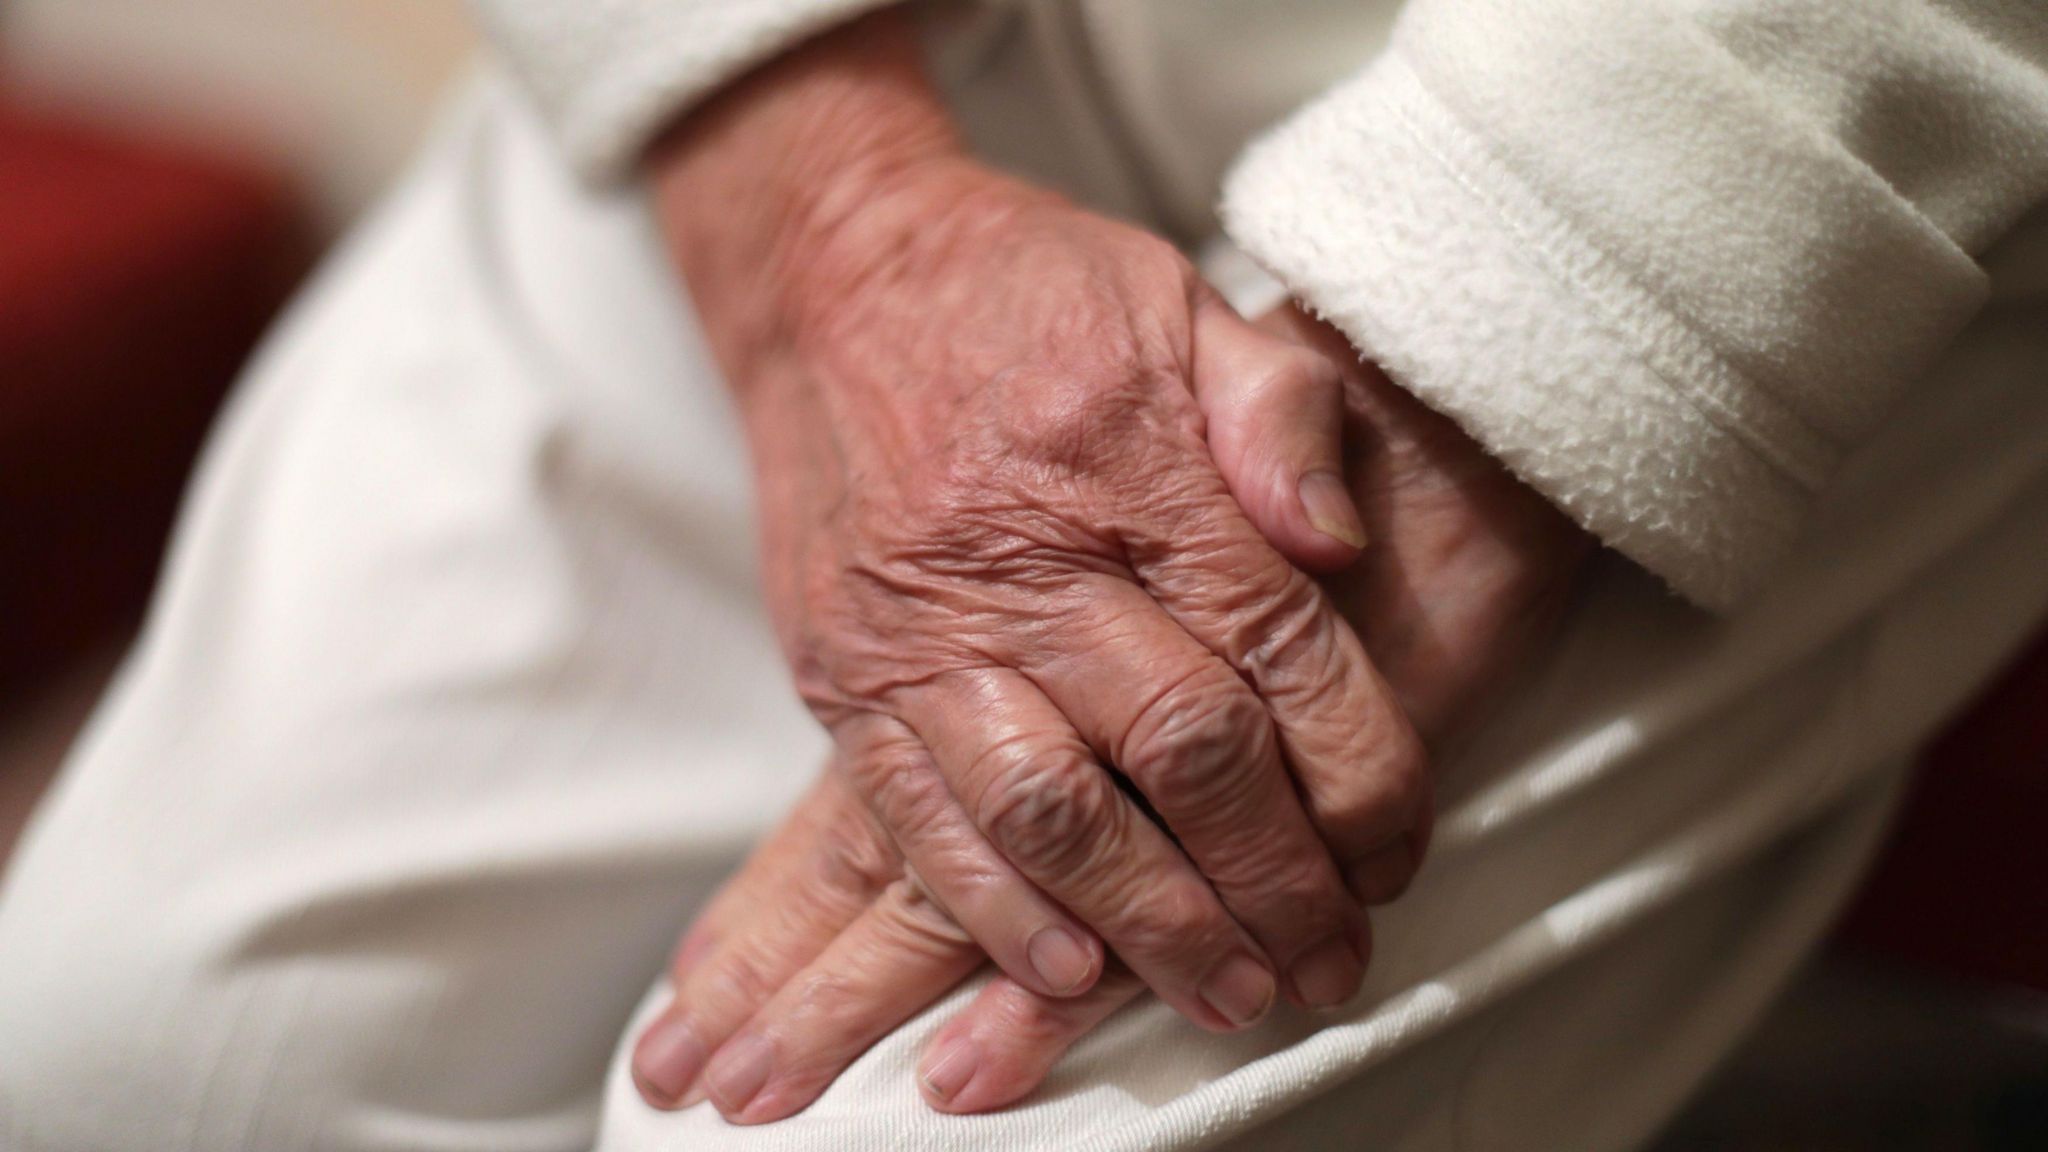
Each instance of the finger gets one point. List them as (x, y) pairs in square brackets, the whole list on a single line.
[(1274, 409), (897, 958), (799, 889), (1050, 807), (1360, 765), (1024, 932), (999, 1049), (1201, 748)]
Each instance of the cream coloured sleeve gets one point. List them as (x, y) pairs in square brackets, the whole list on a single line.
[(1668, 259), (608, 74)]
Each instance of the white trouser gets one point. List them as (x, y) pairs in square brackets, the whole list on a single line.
[(457, 700)]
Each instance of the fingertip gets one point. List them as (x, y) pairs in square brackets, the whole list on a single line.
[(1327, 506), (1313, 551), (960, 1077), (949, 1065), (1240, 990), (778, 1102), (652, 1095), (1001, 1048), (667, 1059), (1327, 975), (1308, 517), (1275, 412), (1065, 963), (1305, 512), (985, 1093)]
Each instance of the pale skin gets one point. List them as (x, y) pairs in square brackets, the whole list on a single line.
[(1037, 505)]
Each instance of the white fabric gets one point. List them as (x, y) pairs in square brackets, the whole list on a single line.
[(609, 74), (1669, 259), (457, 700)]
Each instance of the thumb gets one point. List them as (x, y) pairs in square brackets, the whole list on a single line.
[(1275, 413)]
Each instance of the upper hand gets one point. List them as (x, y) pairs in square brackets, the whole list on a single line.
[(1001, 559), (1467, 570)]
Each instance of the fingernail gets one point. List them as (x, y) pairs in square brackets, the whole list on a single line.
[(739, 1071), (668, 1056), (1329, 507), (1240, 989), (1328, 974), (948, 1068), (1059, 959)]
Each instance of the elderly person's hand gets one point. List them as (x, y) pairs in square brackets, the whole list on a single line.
[(1002, 559), (824, 943)]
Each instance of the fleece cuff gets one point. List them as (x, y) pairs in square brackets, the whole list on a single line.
[(1390, 220)]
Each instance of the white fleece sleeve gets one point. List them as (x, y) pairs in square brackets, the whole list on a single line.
[(1668, 259), (609, 74)]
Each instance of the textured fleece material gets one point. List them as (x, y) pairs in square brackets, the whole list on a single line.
[(1670, 259)]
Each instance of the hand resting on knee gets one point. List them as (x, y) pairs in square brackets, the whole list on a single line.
[(825, 941), (1038, 511)]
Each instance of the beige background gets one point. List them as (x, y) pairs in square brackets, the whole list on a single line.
[(339, 90)]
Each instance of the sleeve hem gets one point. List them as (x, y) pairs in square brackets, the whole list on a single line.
[(610, 85), (1389, 220)]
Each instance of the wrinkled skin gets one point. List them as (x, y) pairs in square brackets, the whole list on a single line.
[(1037, 510), (824, 942), (1009, 573), (1001, 556)]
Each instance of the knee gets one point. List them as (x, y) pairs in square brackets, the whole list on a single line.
[(100, 1046), (126, 1023)]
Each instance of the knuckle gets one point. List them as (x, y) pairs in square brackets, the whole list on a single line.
[(819, 992), (1197, 746), (853, 860), (1074, 424), (1325, 377), (737, 984), (1289, 887), (1305, 896), (1179, 920), (1286, 642), (908, 798), (1298, 376), (814, 1010), (922, 918), (1047, 810), (1021, 1021)]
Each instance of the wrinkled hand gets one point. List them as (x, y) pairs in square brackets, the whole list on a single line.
[(1002, 557), (824, 943)]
